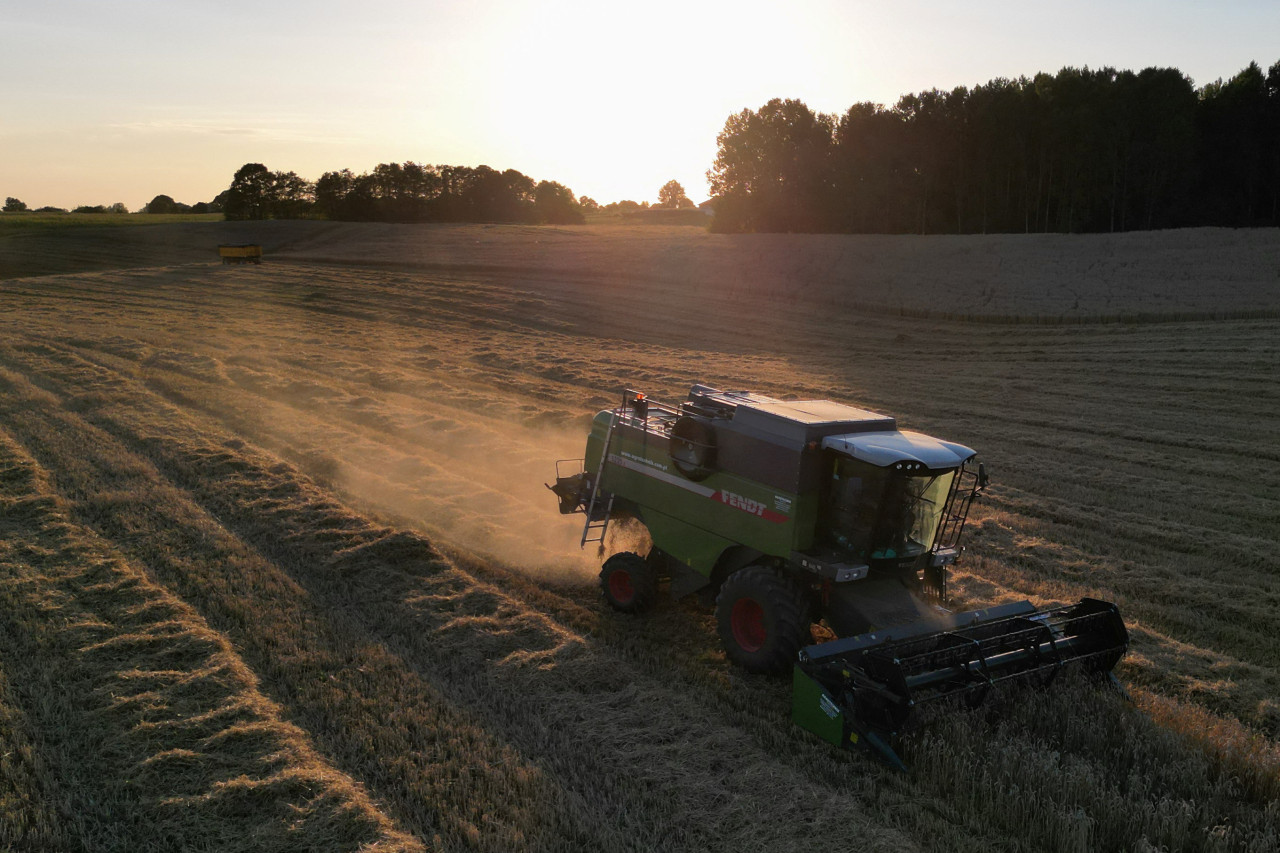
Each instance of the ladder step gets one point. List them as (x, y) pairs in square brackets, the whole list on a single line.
[(602, 525)]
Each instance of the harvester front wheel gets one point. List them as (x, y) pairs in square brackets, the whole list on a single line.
[(763, 619), (629, 583)]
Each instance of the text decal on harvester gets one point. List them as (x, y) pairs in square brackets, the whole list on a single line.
[(748, 505)]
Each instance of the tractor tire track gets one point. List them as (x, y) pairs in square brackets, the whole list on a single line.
[(155, 730), (312, 659)]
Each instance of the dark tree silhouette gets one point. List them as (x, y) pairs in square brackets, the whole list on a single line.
[(332, 194), (250, 193), (161, 204), (290, 196), (1238, 148), (773, 169), (672, 195), (556, 205), (413, 192), (1080, 150), (258, 193)]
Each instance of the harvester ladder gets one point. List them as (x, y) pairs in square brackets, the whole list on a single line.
[(594, 530)]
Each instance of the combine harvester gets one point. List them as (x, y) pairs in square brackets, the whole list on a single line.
[(787, 512)]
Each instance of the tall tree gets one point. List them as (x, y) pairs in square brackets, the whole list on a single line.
[(933, 140), (556, 205), (1271, 179), (1233, 153), (161, 204), (250, 193), (486, 195), (290, 196), (672, 195), (1159, 115), (332, 191), (869, 170), (773, 169)]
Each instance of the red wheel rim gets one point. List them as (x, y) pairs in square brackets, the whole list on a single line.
[(620, 587), (747, 622)]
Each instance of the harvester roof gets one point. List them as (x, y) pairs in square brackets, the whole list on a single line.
[(793, 421), (795, 424), (812, 413), (888, 448)]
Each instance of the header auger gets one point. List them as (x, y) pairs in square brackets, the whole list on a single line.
[(785, 513)]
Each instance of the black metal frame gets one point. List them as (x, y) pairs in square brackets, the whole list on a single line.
[(955, 512), (966, 486), (882, 679)]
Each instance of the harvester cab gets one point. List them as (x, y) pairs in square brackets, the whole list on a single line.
[(785, 513)]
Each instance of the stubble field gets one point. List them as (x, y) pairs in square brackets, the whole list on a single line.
[(277, 569)]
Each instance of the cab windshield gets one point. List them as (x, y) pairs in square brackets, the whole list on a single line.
[(880, 513)]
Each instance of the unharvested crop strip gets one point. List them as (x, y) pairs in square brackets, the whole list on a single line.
[(27, 787)]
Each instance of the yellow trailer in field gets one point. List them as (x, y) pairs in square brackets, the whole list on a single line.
[(240, 253)]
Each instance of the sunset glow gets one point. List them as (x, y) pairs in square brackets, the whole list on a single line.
[(123, 101)]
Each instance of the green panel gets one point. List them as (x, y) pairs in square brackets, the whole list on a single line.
[(595, 440), (696, 548), (696, 520), (805, 513), (732, 508), (813, 708)]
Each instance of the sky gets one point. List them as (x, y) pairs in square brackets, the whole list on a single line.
[(104, 102)]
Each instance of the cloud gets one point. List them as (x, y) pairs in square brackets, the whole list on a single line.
[(275, 131)]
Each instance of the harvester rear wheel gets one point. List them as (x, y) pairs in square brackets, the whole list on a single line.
[(763, 619), (629, 583)]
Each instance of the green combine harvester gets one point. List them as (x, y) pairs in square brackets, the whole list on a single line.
[(789, 512)]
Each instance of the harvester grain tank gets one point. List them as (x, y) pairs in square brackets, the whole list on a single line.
[(788, 512)]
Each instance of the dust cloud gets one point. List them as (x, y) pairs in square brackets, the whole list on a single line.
[(403, 423), (479, 486)]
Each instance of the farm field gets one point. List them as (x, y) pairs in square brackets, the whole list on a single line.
[(278, 570)]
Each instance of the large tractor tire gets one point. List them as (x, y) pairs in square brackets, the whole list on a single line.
[(629, 583), (763, 619)]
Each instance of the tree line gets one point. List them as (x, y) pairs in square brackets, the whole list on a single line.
[(393, 192), (1079, 151), (401, 192), (17, 205)]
